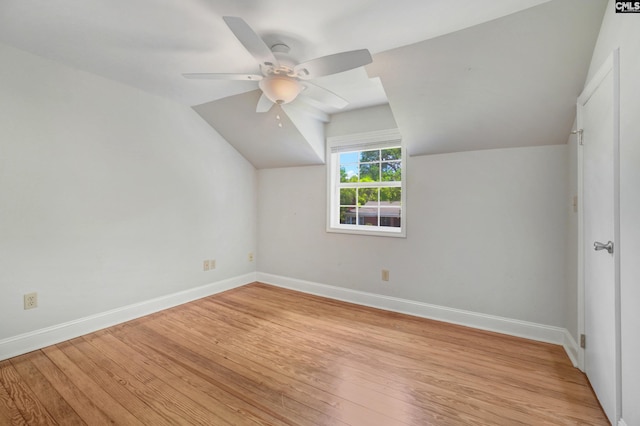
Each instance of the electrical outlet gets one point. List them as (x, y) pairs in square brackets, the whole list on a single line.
[(212, 264), (31, 300), (385, 275), (250, 256), (205, 265)]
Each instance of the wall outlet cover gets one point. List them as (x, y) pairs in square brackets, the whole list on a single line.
[(30, 300)]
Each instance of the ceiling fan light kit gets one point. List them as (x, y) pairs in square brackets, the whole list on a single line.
[(281, 76), (280, 89)]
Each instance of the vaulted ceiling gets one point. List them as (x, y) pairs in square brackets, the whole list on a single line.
[(458, 76)]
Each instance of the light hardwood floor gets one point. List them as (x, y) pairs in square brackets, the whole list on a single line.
[(264, 355)]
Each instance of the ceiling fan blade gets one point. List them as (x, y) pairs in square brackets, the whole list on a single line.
[(324, 96), (221, 76), (264, 104), (251, 41), (332, 64)]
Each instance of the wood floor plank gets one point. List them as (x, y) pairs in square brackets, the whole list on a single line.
[(109, 404), (344, 409), (111, 382), (9, 411), (447, 403), (504, 382), (373, 335), (367, 393), (347, 381), (444, 349), (213, 388), (54, 403), (262, 355), (89, 409), (501, 382), (230, 369), (158, 390), (25, 401)]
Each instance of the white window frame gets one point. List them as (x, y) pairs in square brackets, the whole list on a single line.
[(362, 142)]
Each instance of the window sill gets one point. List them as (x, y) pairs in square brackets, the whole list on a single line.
[(375, 232)]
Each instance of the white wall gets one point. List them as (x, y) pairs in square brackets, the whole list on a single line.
[(623, 31), (486, 233), (109, 196)]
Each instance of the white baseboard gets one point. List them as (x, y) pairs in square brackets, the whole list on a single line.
[(38, 339), (528, 330), (621, 422), (571, 347)]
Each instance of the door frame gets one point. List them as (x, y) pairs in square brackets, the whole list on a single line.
[(610, 65)]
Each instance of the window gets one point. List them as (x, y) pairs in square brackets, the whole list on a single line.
[(366, 184)]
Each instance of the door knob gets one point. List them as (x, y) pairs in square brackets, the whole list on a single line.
[(597, 246)]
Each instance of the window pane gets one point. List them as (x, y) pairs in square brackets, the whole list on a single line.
[(348, 215), (347, 196), (349, 157), (391, 154), (373, 155), (368, 197), (390, 217), (368, 216), (392, 171), (370, 172), (391, 195), (349, 172)]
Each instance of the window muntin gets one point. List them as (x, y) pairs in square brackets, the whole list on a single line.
[(366, 189)]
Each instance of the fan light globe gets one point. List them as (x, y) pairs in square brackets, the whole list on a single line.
[(280, 89)]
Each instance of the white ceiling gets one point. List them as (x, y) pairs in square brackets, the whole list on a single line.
[(510, 82), (457, 77)]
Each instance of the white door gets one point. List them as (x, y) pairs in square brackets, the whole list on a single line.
[(597, 115)]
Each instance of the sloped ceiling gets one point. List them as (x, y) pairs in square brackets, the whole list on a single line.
[(277, 147), (506, 83), (464, 75)]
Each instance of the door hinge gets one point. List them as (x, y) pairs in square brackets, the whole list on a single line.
[(578, 133), (583, 341)]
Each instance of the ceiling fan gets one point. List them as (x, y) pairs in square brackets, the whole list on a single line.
[(281, 79)]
